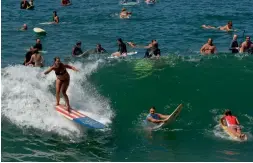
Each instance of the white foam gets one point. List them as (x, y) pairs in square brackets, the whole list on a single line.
[(28, 99)]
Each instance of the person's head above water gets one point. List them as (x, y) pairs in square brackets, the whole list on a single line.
[(37, 40), (119, 41), (123, 9), (98, 45), (230, 24), (55, 13), (25, 26), (235, 37), (210, 41), (152, 110), (247, 39), (228, 112), (78, 43)]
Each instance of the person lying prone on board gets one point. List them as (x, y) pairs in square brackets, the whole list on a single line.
[(227, 27), (156, 117), (124, 13), (232, 122)]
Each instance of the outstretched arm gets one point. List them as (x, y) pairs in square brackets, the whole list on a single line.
[(71, 67), (49, 70), (29, 61), (238, 123)]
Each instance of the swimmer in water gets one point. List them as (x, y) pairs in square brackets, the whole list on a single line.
[(100, 49), (24, 28), (125, 14), (62, 80), (77, 49), (156, 117), (55, 18), (38, 45), (246, 45), (208, 48), (65, 2), (227, 27), (24, 4)]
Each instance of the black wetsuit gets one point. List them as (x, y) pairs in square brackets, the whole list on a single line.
[(38, 46), (77, 51), (100, 50), (122, 48), (26, 4), (234, 44)]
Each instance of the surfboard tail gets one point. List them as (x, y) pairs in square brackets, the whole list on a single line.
[(88, 122)]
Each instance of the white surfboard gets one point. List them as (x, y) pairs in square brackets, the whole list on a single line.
[(47, 23), (128, 54), (39, 30), (129, 3), (171, 118)]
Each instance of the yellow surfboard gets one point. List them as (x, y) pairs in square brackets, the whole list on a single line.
[(232, 135)]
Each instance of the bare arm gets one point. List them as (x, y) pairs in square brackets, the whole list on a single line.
[(238, 123), (163, 116), (154, 120), (242, 48), (49, 70), (202, 49), (71, 67), (215, 49), (30, 61)]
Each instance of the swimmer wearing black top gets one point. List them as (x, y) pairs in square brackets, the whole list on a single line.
[(122, 51), (99, 49), (24, 4), (77, 49), (38, 45)]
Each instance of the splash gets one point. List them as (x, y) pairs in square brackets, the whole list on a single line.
[(28, 99)]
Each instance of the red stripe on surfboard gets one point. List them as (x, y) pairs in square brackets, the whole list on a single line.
[(65, 112), (73, 112)]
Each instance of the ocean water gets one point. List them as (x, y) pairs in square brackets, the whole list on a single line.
[(119, 92)]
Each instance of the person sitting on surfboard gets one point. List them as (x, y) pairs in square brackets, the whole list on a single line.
[(38, 45), (122, 51), (62, 79), (232, 123), (77, 49), (24, 4), (124, 13), (227, 27), (55, 17), (156, 117), (24, 28), (208, 48), (100, 49)]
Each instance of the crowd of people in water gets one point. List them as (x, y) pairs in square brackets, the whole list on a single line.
[(34, 58)]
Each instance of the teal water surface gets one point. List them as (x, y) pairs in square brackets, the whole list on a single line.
[(119, 93)]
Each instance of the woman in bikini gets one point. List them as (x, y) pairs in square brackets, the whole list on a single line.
[(62, 80)]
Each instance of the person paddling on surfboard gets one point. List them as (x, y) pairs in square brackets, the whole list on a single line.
[(77, 49), (227, 27), (124, 13), (156, 117), (100, 49), (233, 124), (62, 80), (55, 18)]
